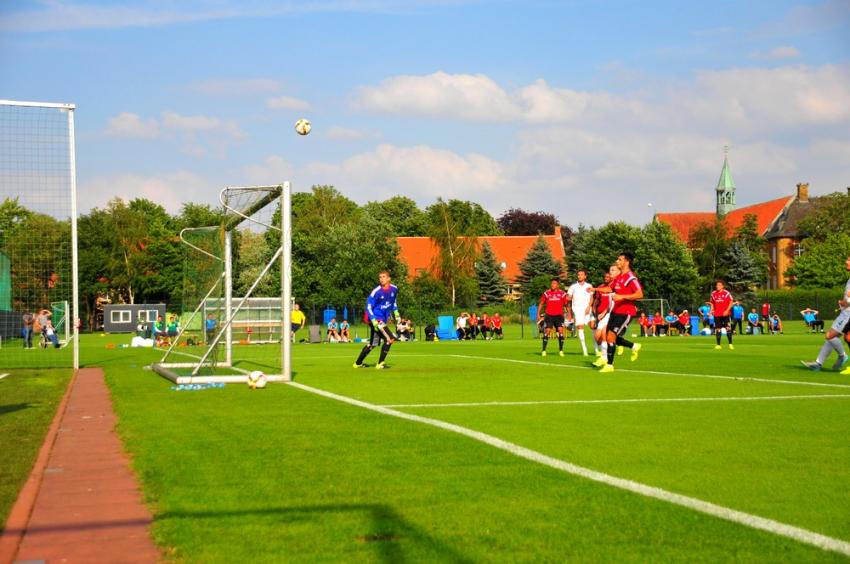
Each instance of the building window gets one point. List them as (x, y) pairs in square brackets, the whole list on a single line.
[(120, 316), (799, 249), (147, 315)]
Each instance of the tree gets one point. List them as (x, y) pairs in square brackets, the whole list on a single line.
[(322, 209), (454, 235), (664, 265), (755, 246), (520, 222), (822, 265), (595, 249), (429, 294), (831, 214), (491, 283), (744, 273), (469, 218), (709, 243), (538, 262), (400, 214)]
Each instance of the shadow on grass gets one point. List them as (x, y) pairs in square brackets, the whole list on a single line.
[(386, 528), (12, 407)]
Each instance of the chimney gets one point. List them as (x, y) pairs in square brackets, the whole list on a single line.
[(803, 192)]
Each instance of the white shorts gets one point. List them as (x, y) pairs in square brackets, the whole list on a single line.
[(602, 322), (841, 320), (581, 318)]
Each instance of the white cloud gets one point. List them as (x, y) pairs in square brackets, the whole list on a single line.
[(777, 54), (272, 170), (286, 103), (465, 96), (169, 189), (233, 87), (127, 124)]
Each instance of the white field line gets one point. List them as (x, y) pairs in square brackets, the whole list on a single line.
[(683, 374), (754, 521), (3, 376), (631, 400)]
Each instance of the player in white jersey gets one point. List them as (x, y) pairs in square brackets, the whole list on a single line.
[(833, 340), (581, 297)]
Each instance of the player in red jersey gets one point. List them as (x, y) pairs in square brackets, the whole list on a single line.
[(721, 307), (496, 326), (626, 290), (602, 305), (553, 303)]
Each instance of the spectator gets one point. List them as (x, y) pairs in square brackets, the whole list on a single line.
[(659, 328), (172, 328), (685, 323), (775, 324), (483, 325), (496, 326), (704, 311), (333, 331), (50, 334), (472, 326), (765, 311), (345, 331), (28, 320), (430, 332), (403, 328), (462, 320), (737, 317), (645, 325), (810, 316), (671, 320), (297, 319), (754, 323), (159, 331), (209, 327)]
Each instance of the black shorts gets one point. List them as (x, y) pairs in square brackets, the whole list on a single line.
[(721, 322), (618, 323), (554, 321), (377, 336)]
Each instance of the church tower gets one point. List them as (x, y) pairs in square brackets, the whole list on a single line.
[(725, 188)]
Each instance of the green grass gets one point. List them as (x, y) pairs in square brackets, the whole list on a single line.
[(281, 474), (28, 401)]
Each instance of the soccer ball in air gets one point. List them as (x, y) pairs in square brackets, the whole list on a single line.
[(256, 380), (302, 126)]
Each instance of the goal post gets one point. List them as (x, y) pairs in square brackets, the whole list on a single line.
[(210, 251), (38, 235), (651, 305)]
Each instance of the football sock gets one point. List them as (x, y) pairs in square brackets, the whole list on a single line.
[(581, 338), (836, 344), (596, 346), (545, 341), (604, 348), (364, 353), (385, 348), (624, 343), (717, 336), (825, 351), (611, 350), (560, 342), (729, 336)]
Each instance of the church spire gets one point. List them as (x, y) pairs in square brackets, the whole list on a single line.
[(725, 187)]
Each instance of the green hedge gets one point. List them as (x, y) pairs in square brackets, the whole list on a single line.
[(789, 303)]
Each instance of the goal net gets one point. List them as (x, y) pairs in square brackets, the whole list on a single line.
[(650, 306), (236, 284), (38, 236)]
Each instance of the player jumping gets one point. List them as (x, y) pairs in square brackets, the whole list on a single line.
[(721, 307), (626, 290), (380, 305), (554, 300), (581, 294)]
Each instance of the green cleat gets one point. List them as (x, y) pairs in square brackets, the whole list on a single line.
[(731, 347), (717, 347), (635, 350), (620, 350), (607, 368), (355, 365), (560, 353), (381, 366), (543, 353), (600, 362)]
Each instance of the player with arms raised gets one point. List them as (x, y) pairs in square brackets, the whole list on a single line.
[(581, 294), (626, 290), (380, 305), (721, 306), (553, 302)]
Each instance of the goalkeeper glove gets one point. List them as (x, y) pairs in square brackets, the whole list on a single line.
[(377, 324), (397, 316)]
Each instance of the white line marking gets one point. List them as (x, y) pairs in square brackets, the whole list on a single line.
[(631, 400), (684, 374), (3, 376), (754, 521)]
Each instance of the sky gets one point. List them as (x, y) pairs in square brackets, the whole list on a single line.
[(593, 111)]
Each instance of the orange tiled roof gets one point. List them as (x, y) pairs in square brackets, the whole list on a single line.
[(765, 212), (419, 252)]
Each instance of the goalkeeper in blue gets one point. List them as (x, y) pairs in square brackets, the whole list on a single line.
[(380, 306)]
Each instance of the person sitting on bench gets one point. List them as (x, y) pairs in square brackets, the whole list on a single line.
[(810, 316)]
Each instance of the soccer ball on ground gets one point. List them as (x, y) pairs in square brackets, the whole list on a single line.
[(256, 380), (303, 126)]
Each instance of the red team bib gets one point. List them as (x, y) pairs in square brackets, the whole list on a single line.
[(556, 301)]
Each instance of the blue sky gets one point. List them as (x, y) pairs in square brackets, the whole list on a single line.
[(589, 110)]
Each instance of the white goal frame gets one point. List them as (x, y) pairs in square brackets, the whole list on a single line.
[(225, 331), (660, 304)]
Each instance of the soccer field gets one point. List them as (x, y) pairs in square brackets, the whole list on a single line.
[(484, 451)]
